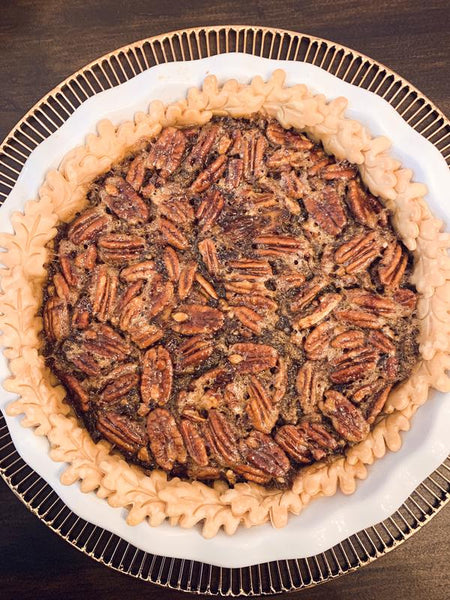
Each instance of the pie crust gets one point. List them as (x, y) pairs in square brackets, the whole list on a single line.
[(155, 497)]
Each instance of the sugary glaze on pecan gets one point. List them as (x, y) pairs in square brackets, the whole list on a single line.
[(233, 303)]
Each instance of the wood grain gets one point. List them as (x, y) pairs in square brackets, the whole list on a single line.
[(44, 41)]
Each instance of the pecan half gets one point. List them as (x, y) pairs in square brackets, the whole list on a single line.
[(243, 286), (221, 438), (293, 188), (124, 201), (327, 210), (80, 318), (253, 149), (145, 334), (347, 420), (360, 318), (171, 263), (56, 319), (377, 404), (61, 287), (224, 144), (338, 171), (278, 245), (316, 342), (259, 200), (289, 280), (392, 266), (381, 341), (68, 270), (262, 411), (262, 303), (281, 137), (88, 226), (177, 209), (327, 303), (392, 367), (104, 293), (262, 452), (366, 209), (84, 260), (318, 161), (309, 291), (120, 384), (235, 172), (130, 292), (309, 387), (406, 299), (348, 340), (249, 269), (84, 360), (142, 270), (284, 158), (103, 342), (186, 279), (157, 375), (206, 286), (166, 153), (203, 473), (76, 390), (166, 442), (124, 433), (192, 319), (172, 234), (252, 473), (209, 210), (321, 442), (210, 175), (131, 308), (294, 442), (194, 442), (354, 365), (120, 247), (136, 171), (201, 149), (160, 295), (361, 394), (249, 318), (208, 253), (305, 442), (236, 138), (380, 305), (252, 358), (280, 381), (358, 253), (193, 352)]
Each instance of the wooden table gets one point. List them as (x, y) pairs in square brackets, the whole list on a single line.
[(44, 41)]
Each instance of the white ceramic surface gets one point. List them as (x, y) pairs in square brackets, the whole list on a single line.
[(327, 520)]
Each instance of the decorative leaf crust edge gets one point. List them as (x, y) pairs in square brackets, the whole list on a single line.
[(152, 496)]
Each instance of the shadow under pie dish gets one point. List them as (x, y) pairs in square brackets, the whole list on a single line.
[(251, 294)]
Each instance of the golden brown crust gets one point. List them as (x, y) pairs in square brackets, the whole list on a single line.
[(63, 194)]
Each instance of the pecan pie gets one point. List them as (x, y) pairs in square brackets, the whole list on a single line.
[(232, 304), (243, 312)]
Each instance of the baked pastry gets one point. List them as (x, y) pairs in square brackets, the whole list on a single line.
[(151, 493), (233, 303)]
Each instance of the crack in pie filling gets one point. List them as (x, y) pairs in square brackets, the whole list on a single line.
[(232, 304)]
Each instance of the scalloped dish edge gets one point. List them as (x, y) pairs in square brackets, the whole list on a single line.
[(154, 497)]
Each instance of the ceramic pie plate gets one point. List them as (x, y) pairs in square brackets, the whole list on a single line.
[(327, 522)]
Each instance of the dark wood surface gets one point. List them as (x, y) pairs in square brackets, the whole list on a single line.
[(44, 41)]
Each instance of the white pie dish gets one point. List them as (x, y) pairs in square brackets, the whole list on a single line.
[(328, 520)]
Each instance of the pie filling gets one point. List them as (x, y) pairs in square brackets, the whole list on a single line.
[(233, 303)]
